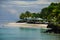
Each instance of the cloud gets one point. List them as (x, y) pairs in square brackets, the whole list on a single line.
[(11, 6), (26, 3), (28, 0), (33, 0), (23, 3), (12, 11), (14, 6), (18, 0), (3, 6), (29, 3)]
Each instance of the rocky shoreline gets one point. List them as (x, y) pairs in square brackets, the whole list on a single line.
[(54, 28)]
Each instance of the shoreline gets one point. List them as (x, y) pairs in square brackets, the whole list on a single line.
[(26, 25)]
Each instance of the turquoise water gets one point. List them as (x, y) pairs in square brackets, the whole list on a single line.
[(15, 33)]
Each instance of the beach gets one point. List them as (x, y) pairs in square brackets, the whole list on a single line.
[(26, 25)]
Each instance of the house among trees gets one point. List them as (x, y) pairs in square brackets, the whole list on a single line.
[(29, 17), (34, 20)]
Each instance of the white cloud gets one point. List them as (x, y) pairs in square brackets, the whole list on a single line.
[(12, 11), (3, 6), (24, 3), (29, 3), (14, 4)]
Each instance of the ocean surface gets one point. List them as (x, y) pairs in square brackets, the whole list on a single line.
[(17, 33)]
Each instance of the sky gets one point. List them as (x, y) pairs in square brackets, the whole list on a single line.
[(11, 9)]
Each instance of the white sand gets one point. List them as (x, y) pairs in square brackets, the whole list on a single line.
[(26, 25)]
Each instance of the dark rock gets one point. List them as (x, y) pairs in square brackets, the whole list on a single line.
[(54, 28)]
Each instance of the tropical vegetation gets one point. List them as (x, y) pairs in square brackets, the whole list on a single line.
[(50, 13)]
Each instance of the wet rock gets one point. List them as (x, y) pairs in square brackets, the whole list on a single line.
[(54, 28)]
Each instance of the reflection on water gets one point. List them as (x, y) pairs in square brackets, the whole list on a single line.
[(26, 34)]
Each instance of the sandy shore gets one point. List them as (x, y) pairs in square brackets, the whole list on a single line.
[(26, 25)]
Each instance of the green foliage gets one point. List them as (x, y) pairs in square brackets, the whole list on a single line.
[(43, 13), (22, 16), (51, 13), (27, 14)]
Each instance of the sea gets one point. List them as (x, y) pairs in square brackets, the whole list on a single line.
[(17, 33)]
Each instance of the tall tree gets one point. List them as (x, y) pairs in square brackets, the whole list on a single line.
[(51, 13), (28, 14), (22, 16)]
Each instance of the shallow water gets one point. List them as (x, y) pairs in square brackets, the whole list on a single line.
[(16, 33)]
